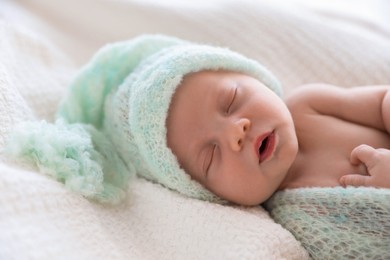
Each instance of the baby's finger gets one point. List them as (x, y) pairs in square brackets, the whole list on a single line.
[(355, 180), (362, 154)]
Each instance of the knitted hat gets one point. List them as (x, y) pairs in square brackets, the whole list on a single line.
[(121, 99)]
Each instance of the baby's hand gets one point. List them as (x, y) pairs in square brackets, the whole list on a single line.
[(377, 162)]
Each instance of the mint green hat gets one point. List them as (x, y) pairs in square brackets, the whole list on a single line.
[(118, 104)]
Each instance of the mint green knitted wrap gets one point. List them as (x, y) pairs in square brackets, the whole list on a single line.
[(112, 123), (336, 223)]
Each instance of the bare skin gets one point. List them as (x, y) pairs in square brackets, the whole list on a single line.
[(331, 124), (242, 142)]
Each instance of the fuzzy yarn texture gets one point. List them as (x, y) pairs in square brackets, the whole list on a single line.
[(336, 223), (77, 155)]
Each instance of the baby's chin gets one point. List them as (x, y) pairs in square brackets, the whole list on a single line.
[(252, 202), (250, 199)]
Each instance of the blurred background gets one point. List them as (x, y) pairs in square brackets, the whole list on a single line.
[(342, 42), (79, 27)]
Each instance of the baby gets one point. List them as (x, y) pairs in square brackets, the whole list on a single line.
[(236, 137), (208, 123)]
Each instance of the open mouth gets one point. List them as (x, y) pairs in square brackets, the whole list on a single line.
[(265, 145)]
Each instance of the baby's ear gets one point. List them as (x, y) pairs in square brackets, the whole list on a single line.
[(77, 155)]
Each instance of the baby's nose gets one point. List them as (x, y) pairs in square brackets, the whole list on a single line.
[(237, 133)]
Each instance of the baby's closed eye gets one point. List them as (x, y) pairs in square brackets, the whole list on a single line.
[(231, 102), (208, 161)]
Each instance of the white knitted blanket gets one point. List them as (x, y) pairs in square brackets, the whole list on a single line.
[(39, 219)]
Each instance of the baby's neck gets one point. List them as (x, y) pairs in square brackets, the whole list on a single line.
[(288, 181)]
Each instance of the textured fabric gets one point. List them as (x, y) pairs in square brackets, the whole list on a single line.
[(336, 223), (26, 91), (41, 219), (298, 44), (69, 153), (123, 96)]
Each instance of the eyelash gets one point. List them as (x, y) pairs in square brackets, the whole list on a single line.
[(211, 159), (231, 102)]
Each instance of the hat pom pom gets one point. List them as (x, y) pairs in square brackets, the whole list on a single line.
[(75, 154)]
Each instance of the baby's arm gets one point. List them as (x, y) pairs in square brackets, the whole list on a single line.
[(369, 106), (386, 110)]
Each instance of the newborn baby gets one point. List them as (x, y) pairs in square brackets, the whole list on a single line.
[(239, 139), (208, 123)]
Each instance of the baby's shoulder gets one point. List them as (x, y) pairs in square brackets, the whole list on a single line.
[(307, 97), (309, 92)]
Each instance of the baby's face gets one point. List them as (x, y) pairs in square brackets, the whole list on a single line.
[(232, 134)]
